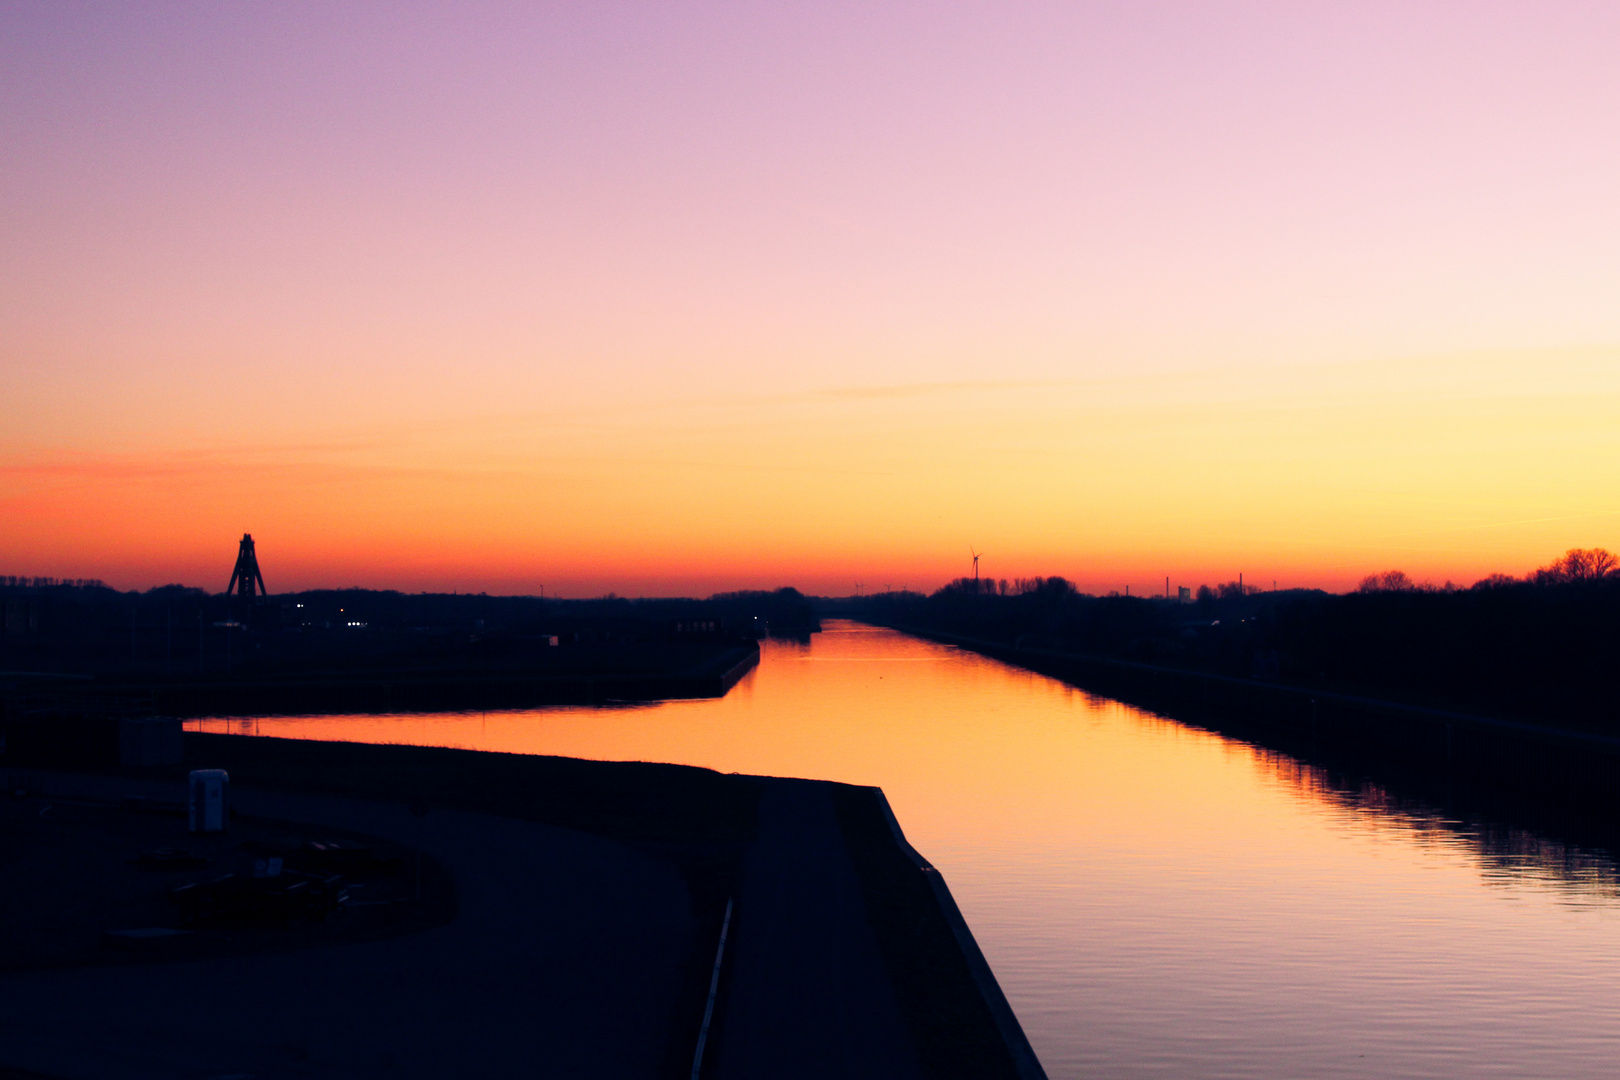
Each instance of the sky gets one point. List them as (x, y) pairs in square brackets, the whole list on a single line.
[(672, 299)]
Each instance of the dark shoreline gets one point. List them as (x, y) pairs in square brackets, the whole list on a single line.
[(404, 690), (1558, 782)]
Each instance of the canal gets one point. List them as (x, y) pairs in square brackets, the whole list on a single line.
[(1156, 900)]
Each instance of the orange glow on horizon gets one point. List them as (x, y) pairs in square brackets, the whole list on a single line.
[(1448, 468)]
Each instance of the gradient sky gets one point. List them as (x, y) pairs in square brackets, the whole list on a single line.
[(669, 299)]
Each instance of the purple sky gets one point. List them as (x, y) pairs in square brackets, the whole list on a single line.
[(238, 229)]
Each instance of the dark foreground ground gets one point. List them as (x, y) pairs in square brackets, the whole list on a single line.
[(99, 872), (569, 926)]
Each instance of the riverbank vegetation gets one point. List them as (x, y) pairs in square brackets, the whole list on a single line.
[(1541, 647)]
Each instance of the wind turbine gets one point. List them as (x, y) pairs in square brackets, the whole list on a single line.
[(975, 555)]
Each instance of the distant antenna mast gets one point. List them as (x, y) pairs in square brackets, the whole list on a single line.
[(246, 576)]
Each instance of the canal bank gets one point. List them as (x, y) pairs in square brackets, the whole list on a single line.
[(566, 679), (1552, 774)]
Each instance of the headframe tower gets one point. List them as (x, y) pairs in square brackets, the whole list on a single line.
[(246, 576)]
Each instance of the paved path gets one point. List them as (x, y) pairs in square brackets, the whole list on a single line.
[(561, 963), (809, 996)]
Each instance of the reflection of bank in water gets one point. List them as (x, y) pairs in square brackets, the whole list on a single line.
[(1527, 798), (1572, 855)]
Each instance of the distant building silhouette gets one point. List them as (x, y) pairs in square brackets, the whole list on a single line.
[(246, 575)]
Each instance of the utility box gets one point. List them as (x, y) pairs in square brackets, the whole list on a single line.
[(149, 740), (209, 800)]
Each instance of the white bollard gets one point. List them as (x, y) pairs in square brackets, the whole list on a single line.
[(209, 800)]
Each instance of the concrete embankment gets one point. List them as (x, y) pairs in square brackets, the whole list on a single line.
[(850, 957), (808, 994), (1009, 1032), (958, 1018)]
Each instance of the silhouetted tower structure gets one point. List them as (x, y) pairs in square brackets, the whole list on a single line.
[(246, 576)]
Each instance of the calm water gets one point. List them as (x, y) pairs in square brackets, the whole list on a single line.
[(1157, 901)]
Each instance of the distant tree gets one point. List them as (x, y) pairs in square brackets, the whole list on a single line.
[(1046, 586), (1057, 587), (175, 592), (1496, 581), (1576, 566), (1388, 581), (1205, 594)]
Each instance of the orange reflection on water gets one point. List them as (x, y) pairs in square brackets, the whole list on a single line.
[(1156, 900), (950, 736)]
